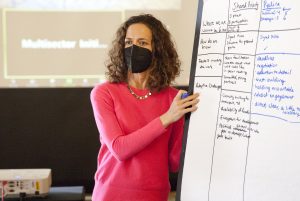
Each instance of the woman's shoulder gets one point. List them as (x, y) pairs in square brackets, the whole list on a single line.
[(105, 87), (170, 90), (108, 85)]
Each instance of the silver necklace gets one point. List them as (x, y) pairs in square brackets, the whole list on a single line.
[(137, 96)]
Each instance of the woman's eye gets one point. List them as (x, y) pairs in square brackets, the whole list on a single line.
[(128, 42), (143, 43)]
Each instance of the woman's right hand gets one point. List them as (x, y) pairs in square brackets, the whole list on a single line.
[(179, 107)]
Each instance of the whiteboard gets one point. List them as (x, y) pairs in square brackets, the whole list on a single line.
[(243, 142)]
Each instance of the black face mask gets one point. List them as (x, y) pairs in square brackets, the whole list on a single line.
[(137, 59)]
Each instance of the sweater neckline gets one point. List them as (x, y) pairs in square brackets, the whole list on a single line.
[(138, 91)]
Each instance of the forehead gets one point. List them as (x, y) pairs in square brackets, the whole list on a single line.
[(138, 30)]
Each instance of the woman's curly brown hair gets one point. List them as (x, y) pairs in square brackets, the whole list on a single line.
[(165, 62)]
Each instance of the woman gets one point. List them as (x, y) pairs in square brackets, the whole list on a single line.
[(138, 114)]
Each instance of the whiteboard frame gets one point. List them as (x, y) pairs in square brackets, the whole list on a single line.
[(191, 88)]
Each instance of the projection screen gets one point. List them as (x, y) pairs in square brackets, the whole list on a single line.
[(64, 43)]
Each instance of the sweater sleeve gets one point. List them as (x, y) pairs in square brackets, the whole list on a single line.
[(175, 145), (122, 145)]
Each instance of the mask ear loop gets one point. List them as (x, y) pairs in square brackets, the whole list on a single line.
[(131, 50)]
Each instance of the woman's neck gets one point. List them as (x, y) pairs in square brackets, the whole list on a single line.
[(138, 80)]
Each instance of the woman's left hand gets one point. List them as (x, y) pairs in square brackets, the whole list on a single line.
[(179, 107)]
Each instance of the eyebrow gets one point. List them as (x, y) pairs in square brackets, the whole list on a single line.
[(138, 38)]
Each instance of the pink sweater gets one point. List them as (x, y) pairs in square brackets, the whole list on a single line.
[(136, 151)]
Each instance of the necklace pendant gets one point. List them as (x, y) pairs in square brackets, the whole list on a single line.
[(137, 96)]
